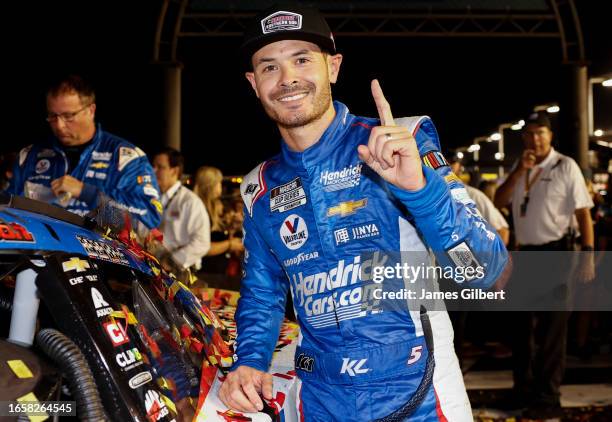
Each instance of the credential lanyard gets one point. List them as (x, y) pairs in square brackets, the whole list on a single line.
[(528, 185)]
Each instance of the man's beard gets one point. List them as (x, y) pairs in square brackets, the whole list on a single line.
[(290, 119)]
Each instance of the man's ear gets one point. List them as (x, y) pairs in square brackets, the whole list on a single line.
[(251, 78), (333, 67)]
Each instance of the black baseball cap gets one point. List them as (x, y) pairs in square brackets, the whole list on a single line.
[(539, 118), (286, 22)]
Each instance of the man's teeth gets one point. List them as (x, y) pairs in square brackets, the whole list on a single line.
[(293, 97)]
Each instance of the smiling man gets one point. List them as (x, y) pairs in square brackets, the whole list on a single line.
[(342, 186), (81, 160)]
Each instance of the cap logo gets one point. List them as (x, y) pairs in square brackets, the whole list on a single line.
[(281, 21)]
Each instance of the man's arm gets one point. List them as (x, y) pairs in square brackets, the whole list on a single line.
[(454, 229), (451, 225), (503, 195), (586, 270), (134, 187), (585, 224), (260, 311), (504, 235)]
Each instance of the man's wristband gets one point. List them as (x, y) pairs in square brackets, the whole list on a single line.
[(587, 248)]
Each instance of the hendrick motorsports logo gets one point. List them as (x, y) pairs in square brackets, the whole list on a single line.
[(101, 156), (343, 288), (348, 177), (294, 232)]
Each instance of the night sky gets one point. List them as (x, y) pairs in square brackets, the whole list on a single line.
[(468, 86)]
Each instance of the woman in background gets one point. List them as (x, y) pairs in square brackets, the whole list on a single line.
[(208, 186)]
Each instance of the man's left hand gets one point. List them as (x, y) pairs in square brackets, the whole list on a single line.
[(67, 184), (585, 272), (392, 150)]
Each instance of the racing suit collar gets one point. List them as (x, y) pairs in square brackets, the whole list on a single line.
[(55, 143), (321, 150)]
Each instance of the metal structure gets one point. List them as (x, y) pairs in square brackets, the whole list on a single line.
[(555, 19)]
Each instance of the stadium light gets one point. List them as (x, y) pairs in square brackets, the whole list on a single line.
[(553, 109)]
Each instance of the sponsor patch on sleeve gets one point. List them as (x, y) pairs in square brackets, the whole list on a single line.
[(158, 205), (127, 155), (253, 187), (434, 160), (461, 195), (462, 256), (452, 177), (150, 190), (23, 154)]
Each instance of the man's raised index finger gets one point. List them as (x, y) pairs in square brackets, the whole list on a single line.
[(382, 105)]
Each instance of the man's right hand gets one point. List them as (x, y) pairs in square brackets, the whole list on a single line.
[(528, 160), (241, 388)]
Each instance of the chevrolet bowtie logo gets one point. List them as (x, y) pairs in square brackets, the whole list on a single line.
[(99, 165), (75, 264), (347, 208)]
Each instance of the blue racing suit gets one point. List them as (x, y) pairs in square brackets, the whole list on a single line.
[(109, 165), (309, 217)]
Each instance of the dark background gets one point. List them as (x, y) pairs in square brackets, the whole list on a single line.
[(467, 85)]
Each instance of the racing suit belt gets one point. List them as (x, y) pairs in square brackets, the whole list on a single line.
[(362, 365)]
